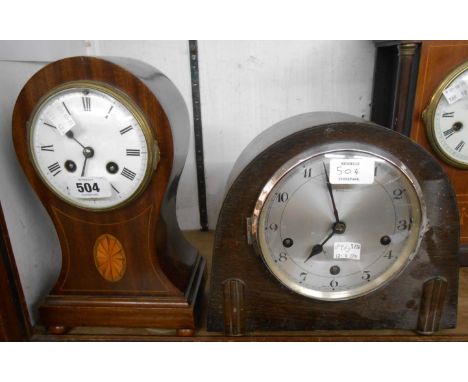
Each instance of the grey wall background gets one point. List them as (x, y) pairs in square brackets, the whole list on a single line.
[(246, 86)]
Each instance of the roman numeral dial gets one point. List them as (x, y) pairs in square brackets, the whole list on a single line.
[(84, 133), (54, 169), (448, 133), (47, 148), (451, 133), (460, 146), (126, 130), (129, 174), (109, 111), (86, 103), (446, 119), (133, 152), (66, 108)]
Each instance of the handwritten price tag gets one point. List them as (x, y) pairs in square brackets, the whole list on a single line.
[(347, 250), (90, 188), (456, 91), (352, 171), (60, 118)]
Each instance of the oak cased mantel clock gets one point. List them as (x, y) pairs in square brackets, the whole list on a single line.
[(332, 222), (440, 118), (103, 143)]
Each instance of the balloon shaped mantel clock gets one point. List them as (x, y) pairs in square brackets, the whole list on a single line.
[(331, 222), (103, 143), (440, 117)]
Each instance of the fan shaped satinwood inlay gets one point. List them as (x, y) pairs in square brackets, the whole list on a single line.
[(109, 257)]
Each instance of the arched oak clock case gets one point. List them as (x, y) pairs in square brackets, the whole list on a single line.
[(159, 273), (250, 291)]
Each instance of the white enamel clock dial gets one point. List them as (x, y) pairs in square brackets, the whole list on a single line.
[(91, 146), (447, 122), (341, 252)]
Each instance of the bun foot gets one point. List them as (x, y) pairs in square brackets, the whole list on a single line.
[(57, 329), (185, 332)]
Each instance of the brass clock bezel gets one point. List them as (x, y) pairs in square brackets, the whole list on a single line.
[(124, 99), (418, 208), (428, 116)]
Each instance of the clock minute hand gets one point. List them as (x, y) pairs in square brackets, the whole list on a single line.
[(84, 166), (88, 152), (330, 191)]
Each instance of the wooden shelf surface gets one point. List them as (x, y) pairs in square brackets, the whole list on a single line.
[(204, 242)]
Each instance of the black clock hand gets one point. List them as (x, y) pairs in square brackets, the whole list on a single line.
[(88, 152), (84, 166), (318, 248), (70, 135), (329, 186), (338, 228)]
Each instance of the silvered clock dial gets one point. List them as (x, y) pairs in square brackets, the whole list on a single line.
[(338, 241)]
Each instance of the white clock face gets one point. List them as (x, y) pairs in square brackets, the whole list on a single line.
[(89, 147), (341, 252), (450, 123)]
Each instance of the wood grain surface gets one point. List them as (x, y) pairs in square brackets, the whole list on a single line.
[(271, 306), (204, 242), (438, 59), (159, 286)]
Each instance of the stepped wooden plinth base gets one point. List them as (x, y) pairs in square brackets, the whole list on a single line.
[(61, 312)]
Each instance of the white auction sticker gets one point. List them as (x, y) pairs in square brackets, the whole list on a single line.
[(90, 188), (456, 91), (59, 117), (352, 171), (347, 250)]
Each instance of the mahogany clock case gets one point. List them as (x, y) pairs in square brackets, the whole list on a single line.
[(164, 272), (438, 59), (264, 304)]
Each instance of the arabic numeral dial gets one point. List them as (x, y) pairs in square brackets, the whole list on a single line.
[(331, 241)]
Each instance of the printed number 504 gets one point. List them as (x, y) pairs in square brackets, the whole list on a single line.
[(87, 187)]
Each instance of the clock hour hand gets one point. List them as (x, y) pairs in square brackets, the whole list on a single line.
[(70, 135), (318, 248), (88, 152), (338, 228), (330, 191)]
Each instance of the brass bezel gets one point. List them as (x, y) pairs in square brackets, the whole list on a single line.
[(429, 113), (124, 99)]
